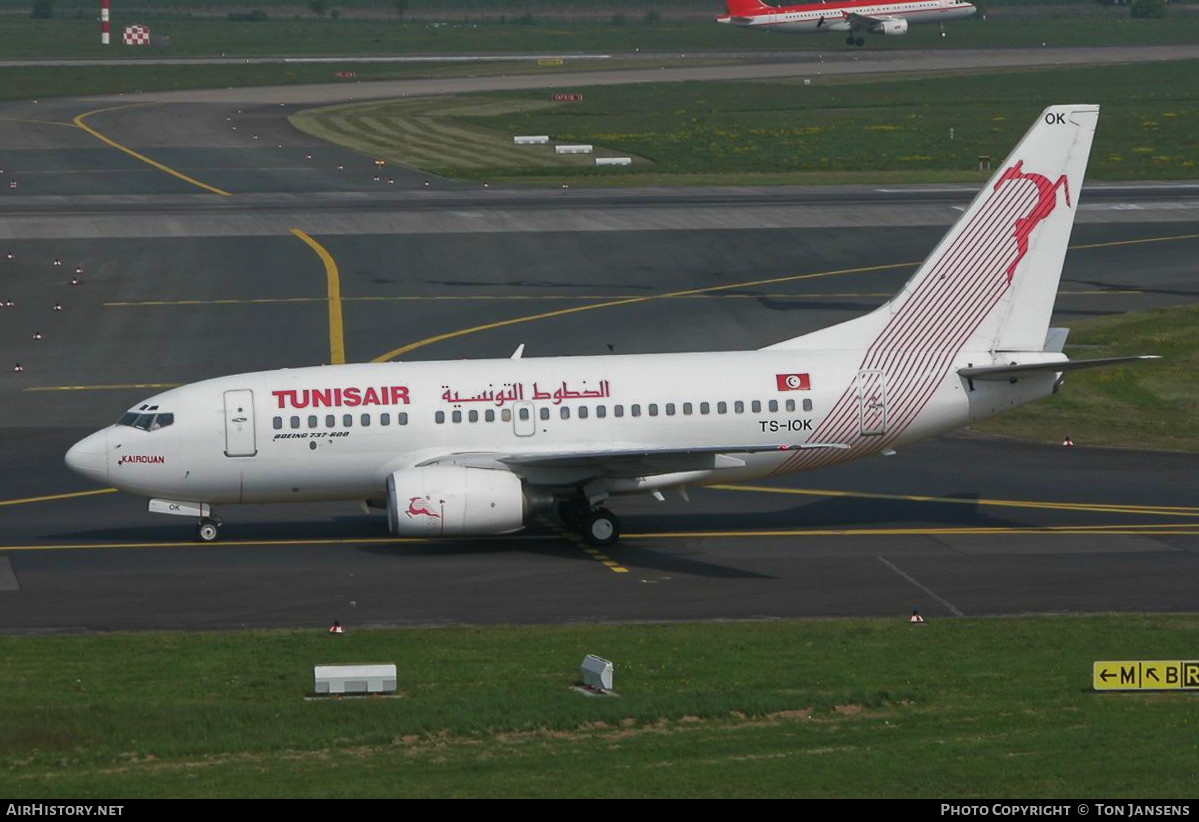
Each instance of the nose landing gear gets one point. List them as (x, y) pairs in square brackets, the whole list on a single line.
[(208, 529)]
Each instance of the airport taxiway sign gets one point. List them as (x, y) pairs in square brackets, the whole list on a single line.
[(1145, 675)]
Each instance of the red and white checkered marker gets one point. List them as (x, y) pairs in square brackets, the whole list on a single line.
[(136, 36)]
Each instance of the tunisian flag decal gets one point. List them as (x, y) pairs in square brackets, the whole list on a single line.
[(793, 382)]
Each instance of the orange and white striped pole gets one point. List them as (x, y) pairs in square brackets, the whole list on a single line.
[(105, 6)]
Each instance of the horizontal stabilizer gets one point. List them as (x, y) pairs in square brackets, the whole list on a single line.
[(1011, 372)]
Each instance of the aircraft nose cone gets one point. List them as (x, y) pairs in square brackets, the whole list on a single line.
[(89, 457)]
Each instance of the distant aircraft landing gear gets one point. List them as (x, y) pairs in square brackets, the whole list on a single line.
[(208, 529), (855, 41)]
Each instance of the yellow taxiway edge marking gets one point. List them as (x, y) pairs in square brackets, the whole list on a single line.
[(35, 122), (233, 543), (1100, 530), (52, 497), (104, 139), (337, 343), (102, 387), (390, 355), (1100, 508)]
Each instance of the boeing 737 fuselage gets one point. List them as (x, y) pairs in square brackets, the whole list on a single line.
[(476, 447)]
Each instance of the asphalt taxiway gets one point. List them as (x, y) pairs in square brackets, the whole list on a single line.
[(180, 282)]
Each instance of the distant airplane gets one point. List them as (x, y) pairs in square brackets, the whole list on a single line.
[(455, 448), (855, 17)]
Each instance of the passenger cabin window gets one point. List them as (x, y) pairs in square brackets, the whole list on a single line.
[(544, 413), (403, 418), (722, 408), (489, 415), (756, 406), (365, 419), (670, 409), (807, 405), (330, 420), (472, 415), (312, 420), (601, 411), (276, 423), (704, 408), (456, 416), (439, 417), (295, 422), (774, 406), (347, 420), (739, 407), (687, 409), (385, 419), (635, 410), (582, 412), (790, 405), (506, 415), (618, 411), (653, 409), (564, 412)]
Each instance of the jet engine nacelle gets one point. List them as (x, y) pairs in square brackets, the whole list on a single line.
[(443, 501), (893, 27)]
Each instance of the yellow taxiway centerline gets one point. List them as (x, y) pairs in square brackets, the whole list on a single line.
[(52, 497), (337, 343), (102, 387), (1050, 530), (1098, 508), (79, 121), (390, 355)]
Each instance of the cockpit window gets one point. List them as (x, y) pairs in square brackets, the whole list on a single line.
[(146, 422)]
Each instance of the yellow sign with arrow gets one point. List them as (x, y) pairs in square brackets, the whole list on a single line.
[(1145, 675)]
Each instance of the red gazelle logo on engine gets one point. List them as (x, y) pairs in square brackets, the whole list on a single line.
[(419, 507)]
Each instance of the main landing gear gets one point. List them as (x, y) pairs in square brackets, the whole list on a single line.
[(208, 529), (855, 41), (598, 526)]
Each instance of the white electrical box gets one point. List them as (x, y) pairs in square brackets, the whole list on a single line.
[(597, 673), (355, 679)]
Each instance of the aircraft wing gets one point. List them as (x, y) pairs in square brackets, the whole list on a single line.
[(632, 462), (866, 21), (1012, 372)]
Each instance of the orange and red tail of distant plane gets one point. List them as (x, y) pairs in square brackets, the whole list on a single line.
[(741, 8)]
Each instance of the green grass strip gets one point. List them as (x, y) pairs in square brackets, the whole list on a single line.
[(872, 708)]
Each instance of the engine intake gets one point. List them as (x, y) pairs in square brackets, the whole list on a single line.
[(443, 501)]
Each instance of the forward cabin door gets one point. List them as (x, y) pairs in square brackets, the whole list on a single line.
[(239, 424), (872, 402)]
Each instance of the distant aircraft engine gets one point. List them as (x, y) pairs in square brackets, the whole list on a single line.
[(894, 27), (443, 501)]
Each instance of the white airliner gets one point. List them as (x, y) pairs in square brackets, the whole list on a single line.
[(477, 447), (852, 17)]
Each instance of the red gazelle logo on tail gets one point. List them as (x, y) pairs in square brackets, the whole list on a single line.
[(1046, 203)]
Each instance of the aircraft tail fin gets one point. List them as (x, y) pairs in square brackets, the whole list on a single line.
[(991, 282), (739, 8)]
